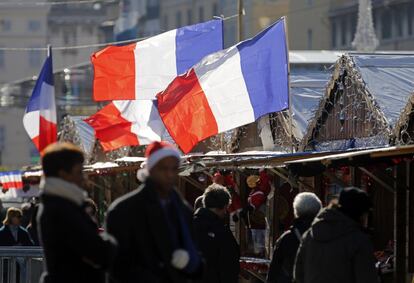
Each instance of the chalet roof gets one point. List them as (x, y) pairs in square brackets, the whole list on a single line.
[(385, 80), (307, 87), (389, 79)]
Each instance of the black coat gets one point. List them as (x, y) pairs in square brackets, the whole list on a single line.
[(284, 254), (335, 250), (74, 252), (7, 239), (218, 246), (139, 224)]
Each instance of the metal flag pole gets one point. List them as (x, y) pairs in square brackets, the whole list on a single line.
[(289, 96), (49, 50)]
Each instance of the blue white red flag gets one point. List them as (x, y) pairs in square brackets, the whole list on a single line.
[(228, 89), (11, 180), (40, 117), (143, 69)]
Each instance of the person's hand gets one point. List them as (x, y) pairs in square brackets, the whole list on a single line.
[(235, 218)]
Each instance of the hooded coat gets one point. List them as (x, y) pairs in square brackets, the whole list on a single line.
[(335, 250)]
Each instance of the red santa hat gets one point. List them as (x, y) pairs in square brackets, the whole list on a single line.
[(154, 153)]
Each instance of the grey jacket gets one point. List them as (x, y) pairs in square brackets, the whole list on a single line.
[(335, 250)]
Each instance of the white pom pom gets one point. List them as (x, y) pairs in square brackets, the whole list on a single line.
[(180, 259), (142, 174)]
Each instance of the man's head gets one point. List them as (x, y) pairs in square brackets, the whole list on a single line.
[(217, 199), (354, 203), (306, 205), (64, 161), (13, 216), (163, 161)]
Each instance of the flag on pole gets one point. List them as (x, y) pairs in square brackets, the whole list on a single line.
[(128, 123), (228, 89), (142, 69), (40, 117), (11, 180)]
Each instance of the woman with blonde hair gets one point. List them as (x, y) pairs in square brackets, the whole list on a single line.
[(12, 233)]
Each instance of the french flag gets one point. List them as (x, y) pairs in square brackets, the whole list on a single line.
[(11, 180), (40, 118), (143, 69), (128, 123), (228, 89)]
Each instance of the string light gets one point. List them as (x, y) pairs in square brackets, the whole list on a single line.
[(55, 3)]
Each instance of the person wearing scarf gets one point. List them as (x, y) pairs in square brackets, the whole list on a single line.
[(74, 250), (153, 225)]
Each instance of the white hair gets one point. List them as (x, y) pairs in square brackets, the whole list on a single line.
[(306, 204)]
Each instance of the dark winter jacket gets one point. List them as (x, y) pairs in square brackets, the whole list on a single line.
[(138, 222), (335, 250), (284, 255), (74, 252), (32, 229), (218, 246), (7, 239)]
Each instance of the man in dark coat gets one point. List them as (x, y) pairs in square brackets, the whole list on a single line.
[(153, 226), (74, 252), (305, 206), (214, 238), (335, 249)]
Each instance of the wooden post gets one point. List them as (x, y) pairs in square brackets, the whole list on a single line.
[(400, 272)]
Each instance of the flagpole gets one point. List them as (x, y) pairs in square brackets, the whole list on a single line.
[(289, 96), (49, 50)]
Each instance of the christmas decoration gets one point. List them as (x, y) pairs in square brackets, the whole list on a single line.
[(365, 39)]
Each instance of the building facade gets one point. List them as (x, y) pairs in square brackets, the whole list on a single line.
[(393, 23), (22, 26)]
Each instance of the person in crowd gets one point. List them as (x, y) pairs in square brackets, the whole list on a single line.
[(305, 206), (153, 225), (27, 210), (73, 249), (335, 248), (12, 233), (32, 227), (255, 211), (214, 238), (92, 210)]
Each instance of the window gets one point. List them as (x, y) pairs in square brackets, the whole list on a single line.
[(5, 25), (215, 10), (333, 35), (33, 25), (178, 19), (410, 19), (399, 18), (386, 24), (2, 61), (34, 58), (310, 35), (189, 17), (354, 22), (201, 14), (343, 32)]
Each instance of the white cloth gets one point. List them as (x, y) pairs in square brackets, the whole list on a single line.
[(60, 188)]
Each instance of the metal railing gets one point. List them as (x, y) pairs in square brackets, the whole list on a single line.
[(20, 264)]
